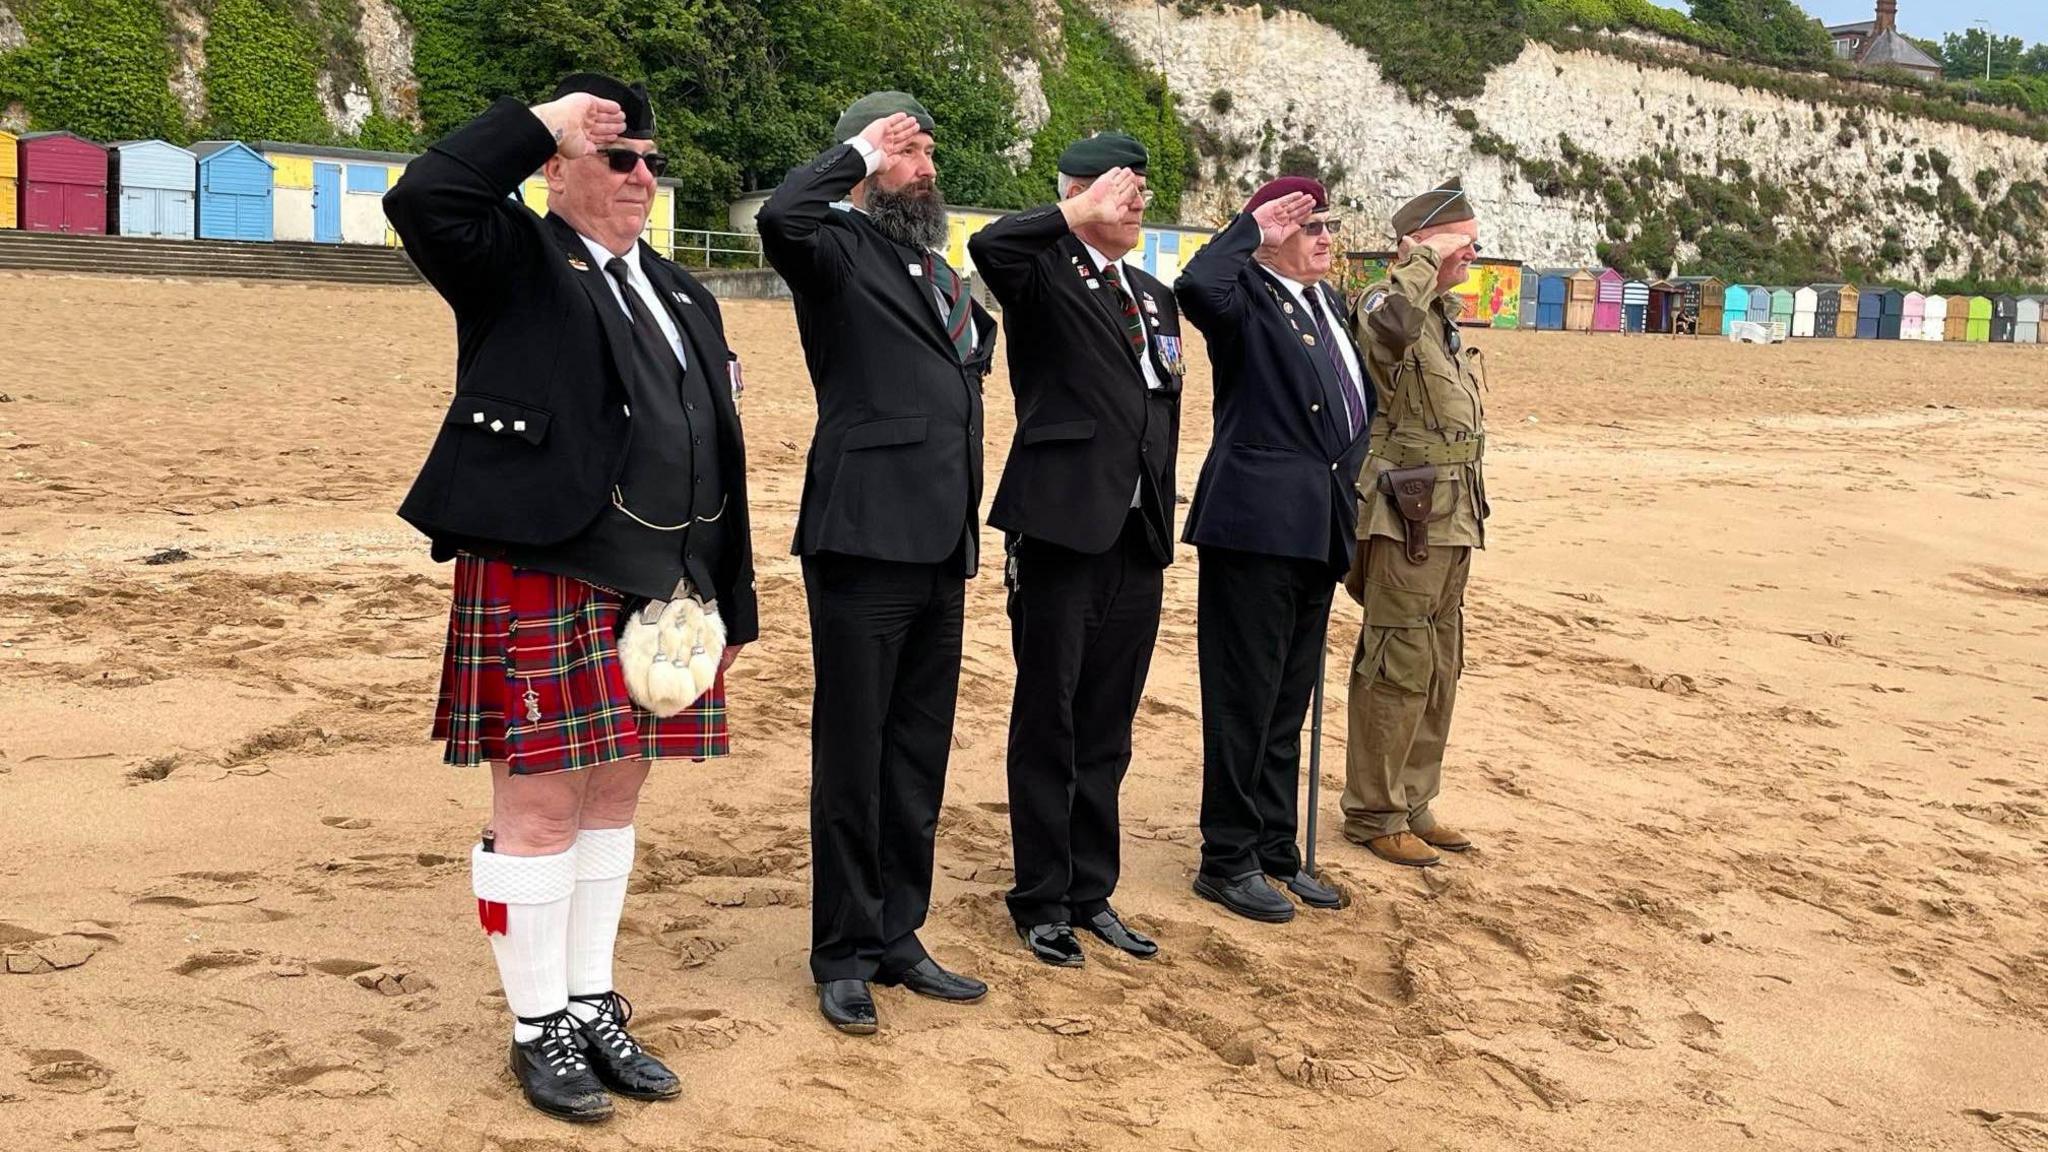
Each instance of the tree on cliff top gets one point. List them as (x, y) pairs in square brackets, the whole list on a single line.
[(1779, 29)]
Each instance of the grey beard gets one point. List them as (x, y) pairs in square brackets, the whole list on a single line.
[(913, 218)]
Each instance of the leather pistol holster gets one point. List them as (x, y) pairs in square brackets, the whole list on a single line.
[(1411, 490)]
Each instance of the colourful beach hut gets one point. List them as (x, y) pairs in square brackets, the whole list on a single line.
[(1913, 317), (2003, 318), (2026, 324), (1735, 301), (63, 183), (1892, 304), (1635, 305), (1713, 307), (1783, 307), (1661, 311), (1849, 298), (1869, 313), (234, 192), (1582, 293), (155, 184), (10, 172), (330, 195), (1607, 300), (1551, 294), (1980, 320), (1935, 320), (1827, 310), (1805, 311)]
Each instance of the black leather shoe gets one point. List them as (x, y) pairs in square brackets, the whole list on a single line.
[(1053, 943), (847, 1006), (621, 1064), (1311, 891), (1248, 895), (553, 1074), (1110, 928), (928, 979)]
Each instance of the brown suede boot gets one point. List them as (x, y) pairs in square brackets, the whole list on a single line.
[(1404, 848), (1445, 837)]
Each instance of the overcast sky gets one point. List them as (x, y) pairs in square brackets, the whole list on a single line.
[(2027, 19)]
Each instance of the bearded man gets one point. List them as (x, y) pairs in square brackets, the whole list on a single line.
[(888, 533)]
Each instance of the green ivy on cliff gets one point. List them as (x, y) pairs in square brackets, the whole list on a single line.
[(261, 75), (1097, 86), (100, 68)]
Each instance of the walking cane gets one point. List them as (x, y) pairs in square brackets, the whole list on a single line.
[(1315, 762)]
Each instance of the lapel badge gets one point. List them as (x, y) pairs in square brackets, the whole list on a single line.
[(1308, 339), (578, 265), (1151, 305), (1287, 308), (681, 297), (1094, 283)]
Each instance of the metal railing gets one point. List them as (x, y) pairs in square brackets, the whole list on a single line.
[(702, 248)]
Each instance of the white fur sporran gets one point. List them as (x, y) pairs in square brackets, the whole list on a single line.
[(669, 651)]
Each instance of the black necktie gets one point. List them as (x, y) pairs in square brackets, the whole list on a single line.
[(1354, 402), (650, 345)]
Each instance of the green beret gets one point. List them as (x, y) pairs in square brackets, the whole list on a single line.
[(1101, 152), (875, 106), (1444, 204)]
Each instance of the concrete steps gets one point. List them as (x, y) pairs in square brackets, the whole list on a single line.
[(228, 259)]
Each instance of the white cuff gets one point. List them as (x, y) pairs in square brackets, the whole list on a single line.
[(505, 879), (604, 853), (869, 154)]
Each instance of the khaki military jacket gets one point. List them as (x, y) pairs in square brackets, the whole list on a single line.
[(1429, 386)]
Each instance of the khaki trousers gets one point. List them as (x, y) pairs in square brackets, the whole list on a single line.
[(1404, 683)]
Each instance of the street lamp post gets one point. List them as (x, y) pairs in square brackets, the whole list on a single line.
[(1985, 25)]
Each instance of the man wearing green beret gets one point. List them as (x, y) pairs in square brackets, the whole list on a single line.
[(1422, 510), (1086, 503), (888, 529)]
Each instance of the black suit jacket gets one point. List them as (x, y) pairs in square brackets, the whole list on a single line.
[(541, 347), (1281, 464), (894, 471), (1088, 428)]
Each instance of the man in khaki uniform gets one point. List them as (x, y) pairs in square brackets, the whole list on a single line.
[(1422, 510)]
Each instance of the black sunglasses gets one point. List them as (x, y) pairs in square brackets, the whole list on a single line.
[(623, 159), (1318, 227)]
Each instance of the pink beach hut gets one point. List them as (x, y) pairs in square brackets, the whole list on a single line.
[(1607, 301), (1913, 317)]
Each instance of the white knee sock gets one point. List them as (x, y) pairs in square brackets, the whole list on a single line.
[(604, 860), (523, 902)]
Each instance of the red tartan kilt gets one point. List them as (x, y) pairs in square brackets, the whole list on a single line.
[(522, 642)]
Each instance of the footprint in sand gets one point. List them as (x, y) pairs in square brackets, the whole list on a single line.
[(66, 1070), (206, 965), (346, 823), (27, 952), (242, 911)]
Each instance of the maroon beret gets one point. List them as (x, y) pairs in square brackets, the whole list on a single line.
[(1273, 190)]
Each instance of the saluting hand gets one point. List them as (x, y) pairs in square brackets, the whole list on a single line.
[(1279, 219), (581, 123), (892, 135), (1444, 244), (1106, 201)]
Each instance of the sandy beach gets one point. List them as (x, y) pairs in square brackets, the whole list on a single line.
[(1753, 738)]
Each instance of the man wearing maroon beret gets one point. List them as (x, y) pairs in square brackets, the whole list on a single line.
[(1272, 524)]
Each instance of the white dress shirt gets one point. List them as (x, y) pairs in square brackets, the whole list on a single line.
[(638, 279), (1341, 339), (1152, 384), (873, 158)]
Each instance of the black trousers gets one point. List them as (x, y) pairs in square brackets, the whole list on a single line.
[(1082, 629), (1261, 623), (885, 650)]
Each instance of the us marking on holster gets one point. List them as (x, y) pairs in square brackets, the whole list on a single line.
[(1412, 490)]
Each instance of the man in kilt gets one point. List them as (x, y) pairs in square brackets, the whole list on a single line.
[(591, 461)]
